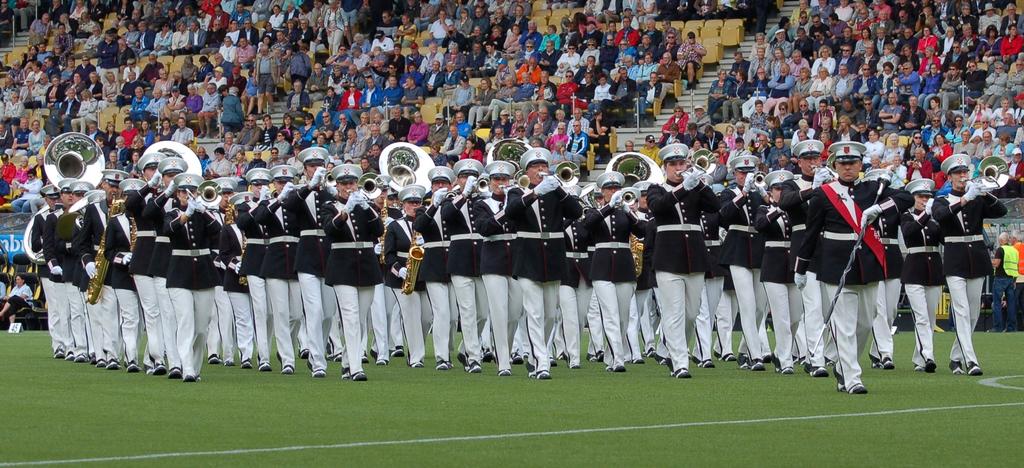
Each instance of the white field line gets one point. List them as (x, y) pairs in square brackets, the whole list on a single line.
[(994, 382), (512, 435)]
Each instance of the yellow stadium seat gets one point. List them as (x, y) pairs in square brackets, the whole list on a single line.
[(714, 48), (713, 23), (904, 141), (720, 127), (732, 32), (483, 133), (679, 25)]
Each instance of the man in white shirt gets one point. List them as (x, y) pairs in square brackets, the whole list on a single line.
[(183, 134), (385, 43), (439, 28)]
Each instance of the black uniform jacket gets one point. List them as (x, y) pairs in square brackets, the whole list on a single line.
[(190, 265), (466, 244), (609, 230), (350, 237), (888, 230), (51, 253), (743, 245), (35, 239), (796, 196), (777, 232), (540, 220), (679, 245), (156, 207), (965, 254), (577, 254), (145, 230), (87, 240), (499, 247), (230, 254), (646, 279), (255, 240), (396, 253), (713, 241), (435, 237), (118, 243), (306, 205), (922, 236), (282, 232)]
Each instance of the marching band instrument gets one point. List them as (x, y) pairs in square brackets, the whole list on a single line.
[(636, 247), (33, 256), (568, 173), (588, 195), (382, 235), (630, 197), (371, 185), (406, 164), (175, 149), (508, 150), (702, 158), (636, 167), (74, 155), (413, 265), (208, 193), (483, 183), (95, 289), (72, 216), (521, 180), (993, 173), (759, 180)]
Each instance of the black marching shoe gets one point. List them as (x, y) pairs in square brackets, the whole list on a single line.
[(973, 369), (214, 359), (346, 373), (304, 354), (743, 361), (474, 368), (366, 360), (159, 370), (957, 367), (541, 375), (265, 367), (132, 368), (819, 372), (757, 365), (887, 363), (680, 374), (650, 353), (461, 357), (359, 377), (416, 365), (113, 365), (81, 359), (398, 352), (729, 357), (517, 359), (443, 366), (382, 362), (708, 364), (637, 361), (100, 364), (786, 371), (929, 366), (174, 374), (858, 389), (58, 354), (70, 357), (288, 370), (246, 364), (229, 363), (488, 356), (505, 373), (319, 374)]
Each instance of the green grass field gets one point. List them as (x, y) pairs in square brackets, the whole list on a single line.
[(56, 410)]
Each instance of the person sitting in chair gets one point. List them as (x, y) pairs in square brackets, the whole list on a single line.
[(17, 300)]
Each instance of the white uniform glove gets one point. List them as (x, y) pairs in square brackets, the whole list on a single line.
[(191, 209), (171, 187), (800, 280), (691, 180), (317, 177), (126, 258), (285, 191), (439, 195), (419, 240), (870, 215), (928, 206), (616, 201), (485, 193), (200, 207), (154, 181), (749, 186), (57, 271), (333, 190), (378, 248), (822, 177), (973, 190), (90, 269), (470, 186), (219, 264), (265, 193), (356, 199), (237, 266), (404, 272), (546, 186)]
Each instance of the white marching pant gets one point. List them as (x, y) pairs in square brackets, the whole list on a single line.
[(128, 306), (505, 307), (965, 296), (849, 326), (881, 323), (56, 315), (923, 301), (416, 315), (394, 313), (471, 300), (539, 303), (596, 343), (643, 301), (709, 299), (76, 317), (220, 337), (747, 281), (725, 319), (169, 322), (104, 315), (192, 310), (353, 309), (614, 299), (785, 302), (444, 323), (262, 318), (285, 301), (573, 303), (814, 319), (150, 307), (679, 298), (241, 308), (380, 323), (318, 326)]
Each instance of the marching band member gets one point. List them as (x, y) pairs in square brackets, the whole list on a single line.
[(680, 256), (279, 261), (72, 190), (42, 239), (434, 269), (191, 276), (353, 269), (596, 344), (401, 236), (118, 251), (251, 266), (539, 212), (154, 211), (711, 299), (142, 253), (922, 269), (385, 315), (741, 251), (305, 204), (643, 297), (881, 348), (784, 298), (575, 291), (837, 213), (497, 257), (464, 262), (221, 335), (965, 259), (232, 246), (611, 268)]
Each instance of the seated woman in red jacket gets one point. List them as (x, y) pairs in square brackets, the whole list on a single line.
[(472, 150)]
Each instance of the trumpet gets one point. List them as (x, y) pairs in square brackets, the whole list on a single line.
[(759, 179), (483, 183), (370, 184), (993, 173), (568, 173), (208, 193), (521, 180), (630, 197)]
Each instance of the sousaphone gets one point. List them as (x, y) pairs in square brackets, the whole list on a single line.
[(33, 256), (508, 150), (636, 167), (175, 149), (406, 164), (74, 155)]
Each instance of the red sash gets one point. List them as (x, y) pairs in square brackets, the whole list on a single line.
[(870, 236)]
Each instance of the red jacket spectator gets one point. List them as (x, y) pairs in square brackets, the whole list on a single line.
[(472, 153), (209, 6), (931, 41), (1012, 44), (8, 170), (632, 36), (922, 172), (680, 118), (352, 95), (129, 135)]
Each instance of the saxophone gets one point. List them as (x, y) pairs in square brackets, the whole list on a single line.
[(230, 214), (636, 247), (381, 240), (95, 289), (412, 265)]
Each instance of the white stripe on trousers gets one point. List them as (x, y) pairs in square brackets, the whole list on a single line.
[(78, 322), (709, 299), (614, 299), (881, 323), (505, 307), (262, 318), (444, 323), (642, 323), (150, 307), (192, 311), (965, 296), (104, 315), (923, 301), (128, 306), (679, 299), (169, 321), (241, 308), (220, 338), (416, 317), (725, 320), (471, 301), (317, 325), (785, 302), (285, 302), (540, 301), (849, 326), (752, 317), (573, 304), (354, 308), (57, 317)]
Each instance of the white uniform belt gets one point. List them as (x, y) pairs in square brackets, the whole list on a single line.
[(679, 227), (189, 253), (255, 242), (541, 235), (280, 239), (890, 241), (964, 239), (312, 232), (577, 255), (402, 254), (352, 245), (612, 245), (713, 243), (740, 227), (782, 244), (470, 236), (840, 236), (139, 234), (500, 237), (799, 227), (67, 245), (163, 239), (926, 249), (436, 244)]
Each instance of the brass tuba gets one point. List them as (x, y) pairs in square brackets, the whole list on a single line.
[(412, 265), (636, 167), (406, 164), (74, 155)]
